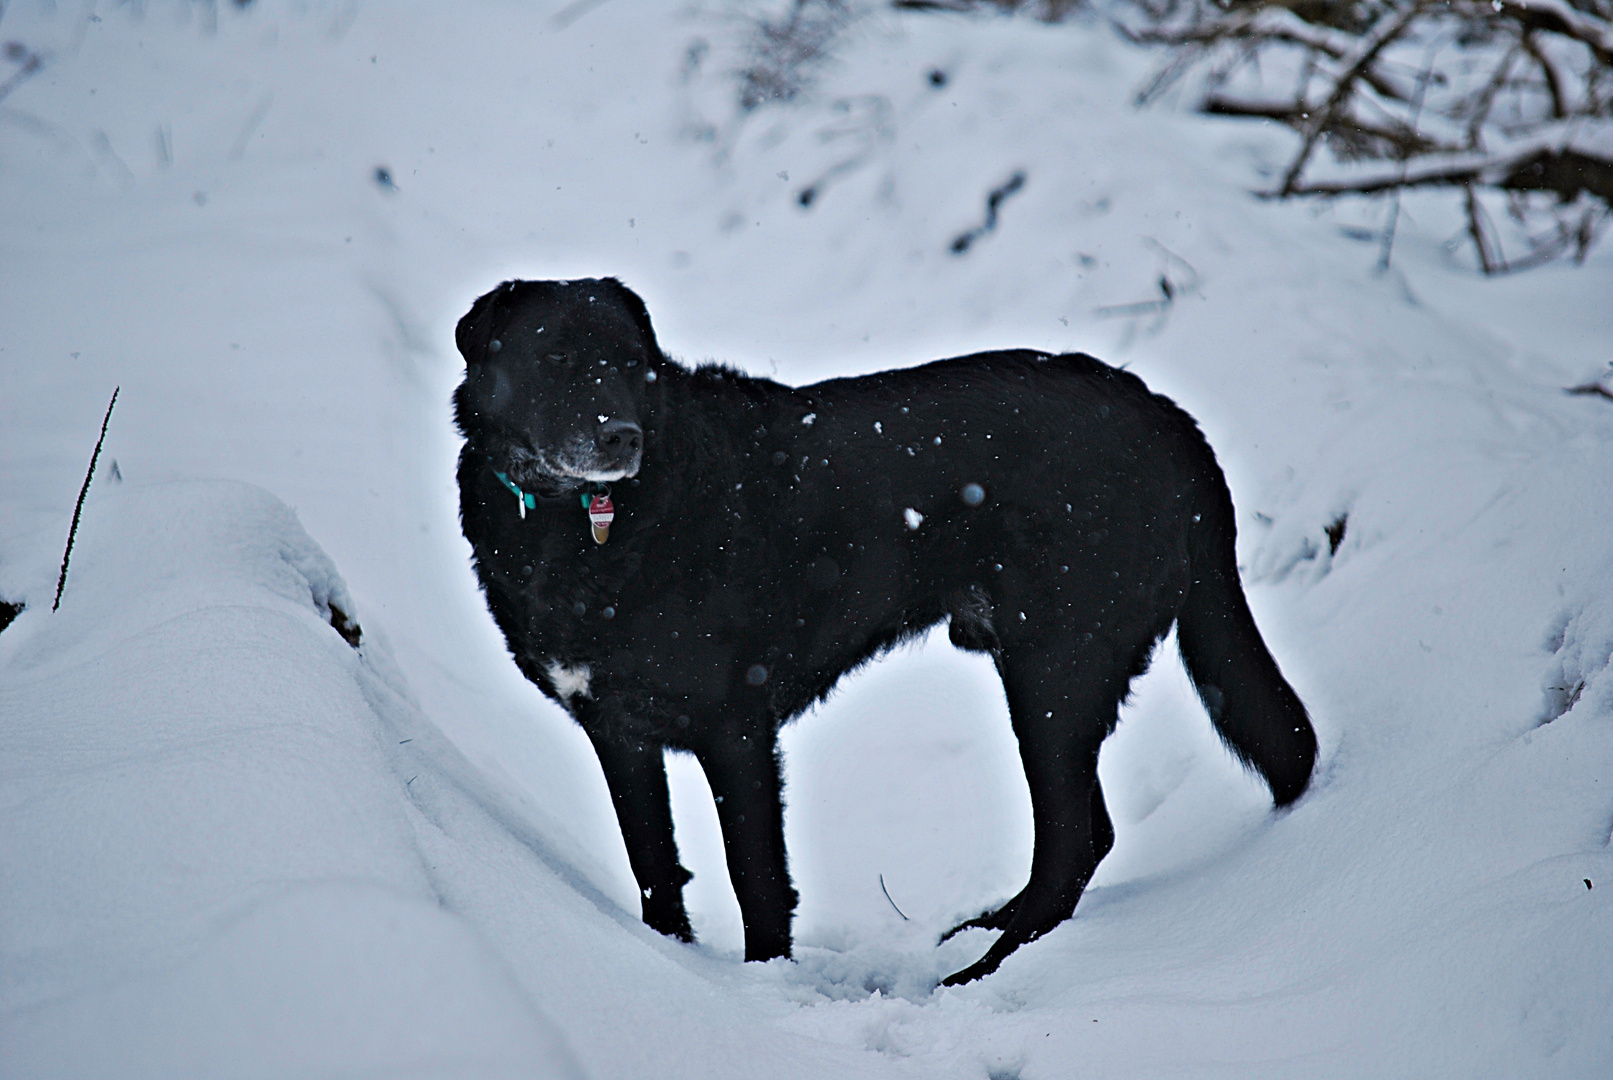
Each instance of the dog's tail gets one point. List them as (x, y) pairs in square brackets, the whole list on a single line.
[(1255, 711)]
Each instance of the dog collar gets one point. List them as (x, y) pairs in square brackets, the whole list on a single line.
[(523, 499), (601, 512)]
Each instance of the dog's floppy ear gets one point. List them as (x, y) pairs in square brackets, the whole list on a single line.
[(641, 315), (476, 328)]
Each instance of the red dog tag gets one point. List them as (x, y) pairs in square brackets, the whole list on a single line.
[(600, 514)]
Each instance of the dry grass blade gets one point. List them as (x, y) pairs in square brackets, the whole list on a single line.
[(78, 509)]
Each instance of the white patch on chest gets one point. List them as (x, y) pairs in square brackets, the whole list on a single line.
[(568, 682)]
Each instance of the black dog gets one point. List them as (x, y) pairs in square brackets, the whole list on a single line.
[(750, 543)]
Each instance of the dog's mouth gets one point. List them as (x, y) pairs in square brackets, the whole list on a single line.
[(553, 471)]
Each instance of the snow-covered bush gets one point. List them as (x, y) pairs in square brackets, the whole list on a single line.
[(1508, 101)]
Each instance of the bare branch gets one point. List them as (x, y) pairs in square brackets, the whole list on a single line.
[(1563, 170), (1388, 28), (1476, 229), (1554, 81), (1405, 140), (1554, 17), (1265, 26), (1485, 99)]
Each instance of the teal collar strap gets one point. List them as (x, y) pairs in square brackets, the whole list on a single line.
[(523, 499)]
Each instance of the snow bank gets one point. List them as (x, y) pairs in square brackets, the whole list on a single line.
[(212, 861)]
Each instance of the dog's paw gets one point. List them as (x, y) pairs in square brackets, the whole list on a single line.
[(997, 919)]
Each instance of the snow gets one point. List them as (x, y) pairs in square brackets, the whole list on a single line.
[(236, 846), (206, 853)]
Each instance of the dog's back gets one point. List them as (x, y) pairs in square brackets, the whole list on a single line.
[(832, 520)]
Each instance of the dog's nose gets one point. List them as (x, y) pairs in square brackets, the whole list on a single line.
[(619, 437)]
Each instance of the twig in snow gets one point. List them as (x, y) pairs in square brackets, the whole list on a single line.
[(250, 127), (1591, 390), (994, 199), (1169, 288), (31, 63), (886, 891), (102, 145), (1388, 243), (1476, 229), (572, 12), (868, 122), (72, 533)]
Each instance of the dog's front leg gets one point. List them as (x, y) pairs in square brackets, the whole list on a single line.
[(636, 774), (743, 771)]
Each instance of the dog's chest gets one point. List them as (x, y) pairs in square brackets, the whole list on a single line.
[(579, 589)]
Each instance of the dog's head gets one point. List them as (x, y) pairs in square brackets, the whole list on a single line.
[(556, 380)]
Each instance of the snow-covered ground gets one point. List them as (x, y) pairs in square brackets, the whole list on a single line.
[(231, 845)]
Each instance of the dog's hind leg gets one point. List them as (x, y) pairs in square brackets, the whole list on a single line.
[(745, 779), (636, 775), (1061, 712)]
